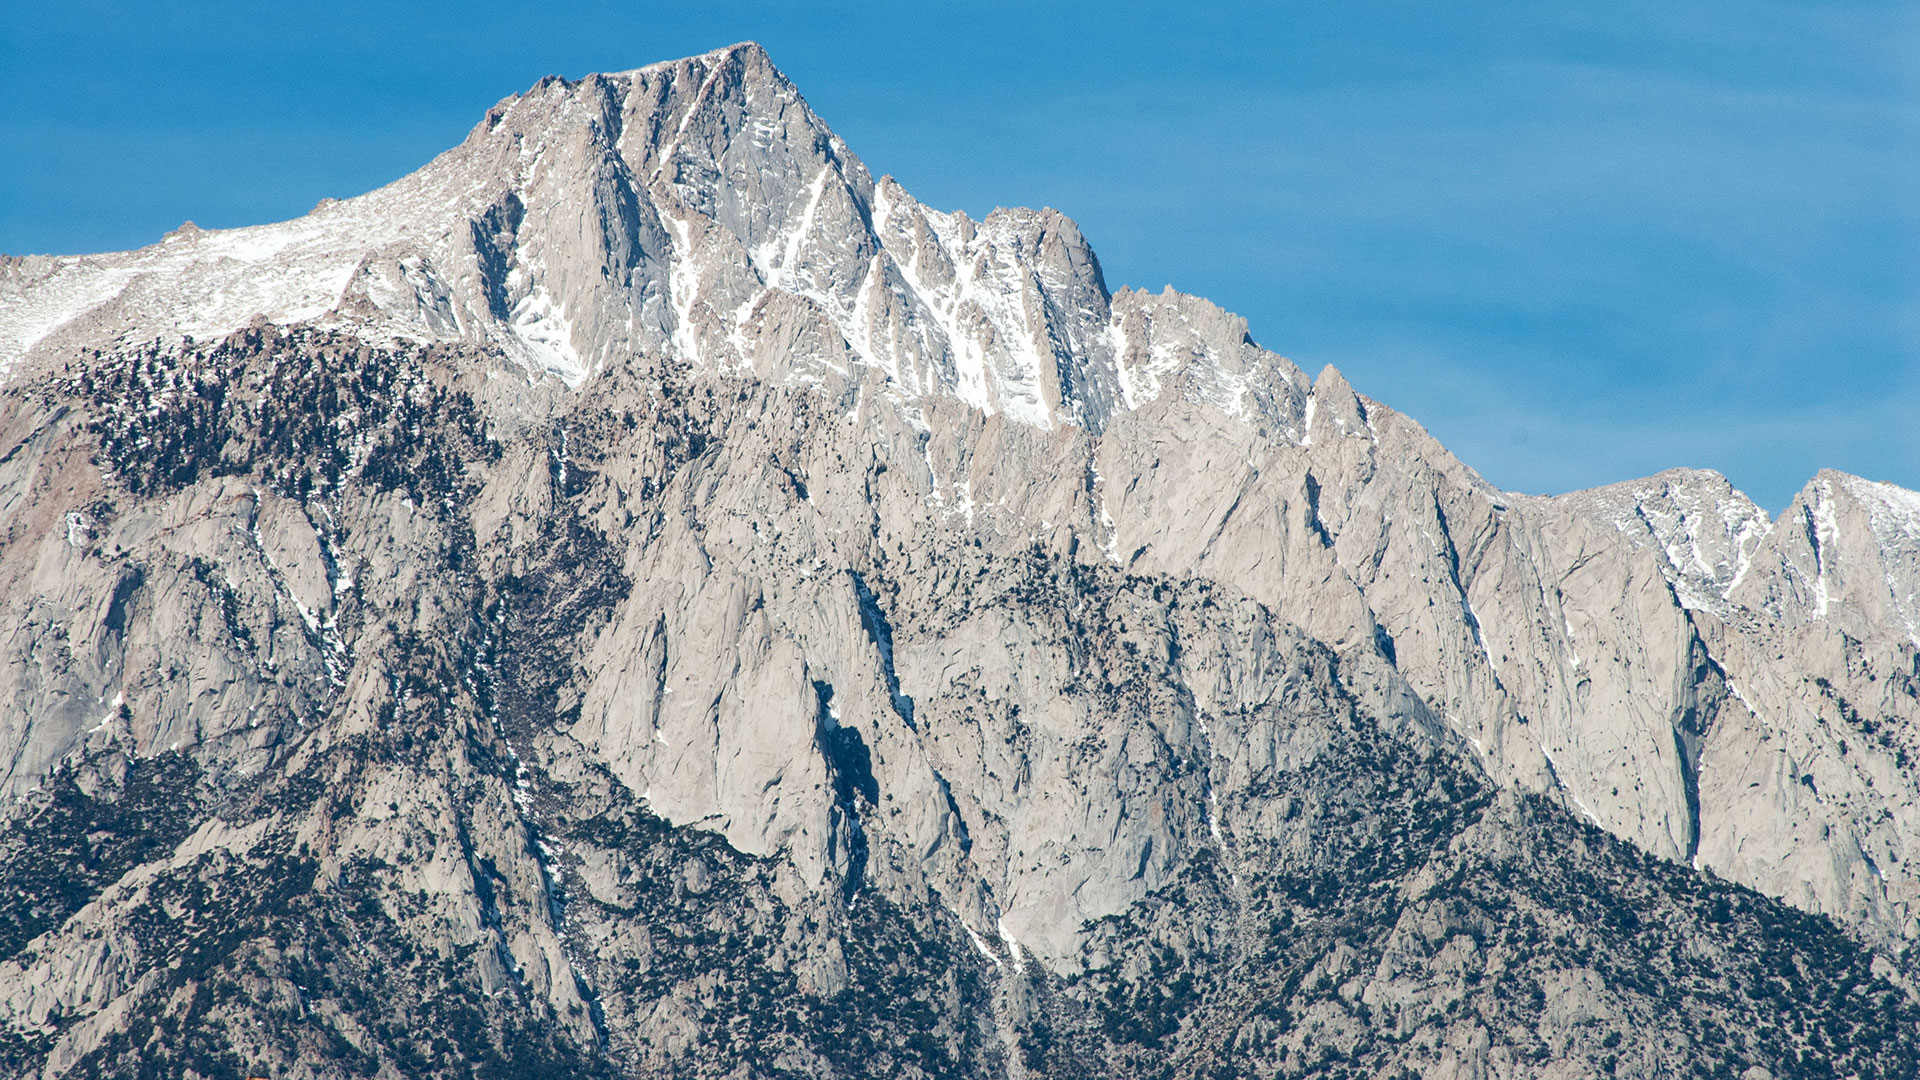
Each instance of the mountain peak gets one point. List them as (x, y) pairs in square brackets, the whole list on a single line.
[(699, 208), (1706, 531)]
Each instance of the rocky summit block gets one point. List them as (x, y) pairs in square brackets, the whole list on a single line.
[(642, 597)]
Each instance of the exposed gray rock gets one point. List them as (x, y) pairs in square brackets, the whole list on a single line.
[(667, 602)]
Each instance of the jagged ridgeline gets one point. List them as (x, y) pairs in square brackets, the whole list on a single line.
[(640, 597)]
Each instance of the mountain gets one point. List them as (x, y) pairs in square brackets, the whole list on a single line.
[(640, 596)]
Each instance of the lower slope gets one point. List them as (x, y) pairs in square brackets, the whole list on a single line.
[(463, 727)]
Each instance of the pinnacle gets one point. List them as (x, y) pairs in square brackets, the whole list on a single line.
[(743, 53)]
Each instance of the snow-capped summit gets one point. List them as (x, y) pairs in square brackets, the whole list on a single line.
[(697, 207), (1705, 530), (1846, 551)]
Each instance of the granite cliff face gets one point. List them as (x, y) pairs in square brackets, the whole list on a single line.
[(641, 596)]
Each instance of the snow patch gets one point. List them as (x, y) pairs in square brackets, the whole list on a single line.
[(980, 944), (1013, 947)]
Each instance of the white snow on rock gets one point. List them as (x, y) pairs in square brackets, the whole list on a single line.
[(1893, 514), (641, 210), (1705, 531)]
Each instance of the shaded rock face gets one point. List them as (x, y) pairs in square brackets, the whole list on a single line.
[(641, 597)]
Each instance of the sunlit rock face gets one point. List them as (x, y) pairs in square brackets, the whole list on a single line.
[(641, 596)]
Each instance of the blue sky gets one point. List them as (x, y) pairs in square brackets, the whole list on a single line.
[(1579, 242)]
